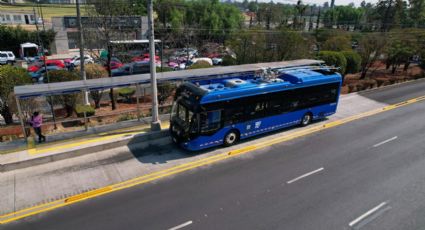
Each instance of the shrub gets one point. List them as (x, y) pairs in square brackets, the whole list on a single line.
[(126, 117), (354, 61), (333, 58), (127, 93), (228, 60), (62, 75), (164, 69), (80, 109), (200, 65), (165, 90)]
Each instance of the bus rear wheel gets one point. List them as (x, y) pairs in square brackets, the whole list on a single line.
[(306, 120), (231, 138)]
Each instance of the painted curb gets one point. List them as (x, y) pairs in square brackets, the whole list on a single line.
[(140, 142)]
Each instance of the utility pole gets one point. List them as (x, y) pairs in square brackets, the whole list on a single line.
[(81, 41), (156, 123), (41, 14)]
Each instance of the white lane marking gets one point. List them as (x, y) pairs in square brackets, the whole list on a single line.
[(305, 175), (366, 214), (181, 225), (386, 141)]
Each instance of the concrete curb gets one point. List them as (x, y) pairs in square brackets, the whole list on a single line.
[(139, 142)]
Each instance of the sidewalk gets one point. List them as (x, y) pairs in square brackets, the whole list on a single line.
[(68, 145)]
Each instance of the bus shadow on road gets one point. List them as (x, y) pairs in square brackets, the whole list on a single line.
[(165, 153)]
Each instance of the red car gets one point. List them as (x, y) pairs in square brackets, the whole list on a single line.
[(144, 57), (37, 66), (114, 65)]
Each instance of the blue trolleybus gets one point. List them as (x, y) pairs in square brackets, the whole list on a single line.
[(224, 110)]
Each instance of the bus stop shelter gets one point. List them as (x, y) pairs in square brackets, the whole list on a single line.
[(51, 89)]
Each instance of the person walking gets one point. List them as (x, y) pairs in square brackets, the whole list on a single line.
[(36, 122)]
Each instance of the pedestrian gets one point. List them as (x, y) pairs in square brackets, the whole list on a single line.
[(36, 121)]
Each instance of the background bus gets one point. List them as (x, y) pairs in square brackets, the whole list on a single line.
[(222, 111)]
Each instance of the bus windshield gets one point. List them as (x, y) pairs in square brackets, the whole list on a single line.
[(184, 116)]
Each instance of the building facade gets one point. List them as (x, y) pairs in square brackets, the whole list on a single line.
[(122, 28), (17, 17)]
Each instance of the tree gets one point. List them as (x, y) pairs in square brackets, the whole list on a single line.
[(68, 101), (370, 49), (398, 53), (9, 78), (417, 11), (95, 71), (12, 37), (338, 43), (354, 61), (101, 26), (334, 58)]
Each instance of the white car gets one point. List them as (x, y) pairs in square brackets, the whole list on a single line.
[(76, 60), (217, 61), (10, 57), (3, 58)]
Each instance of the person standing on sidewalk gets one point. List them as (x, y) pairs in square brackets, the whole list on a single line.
[(36, 122)]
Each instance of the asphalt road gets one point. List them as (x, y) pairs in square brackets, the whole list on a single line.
[(367, 174)]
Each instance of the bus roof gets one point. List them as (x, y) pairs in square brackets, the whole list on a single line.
[(250, 85)]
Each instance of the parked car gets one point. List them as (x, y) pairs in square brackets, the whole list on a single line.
[(139, 67), (145, 57), (76, 60), (194, 60), (39, 75), (217, 61), (11, 59), (186, 51), (3, 58), (115, 63), (177, 65), (39, 64), (121, 71)]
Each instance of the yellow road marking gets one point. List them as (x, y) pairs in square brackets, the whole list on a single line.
[(36, 151), (127, 132), (190, 165)]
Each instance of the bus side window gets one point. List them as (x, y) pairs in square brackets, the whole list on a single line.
[(233, 114), (210, 121), (275, 106)]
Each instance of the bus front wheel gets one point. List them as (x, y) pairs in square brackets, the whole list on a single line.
[(231, 138), (306, 120)]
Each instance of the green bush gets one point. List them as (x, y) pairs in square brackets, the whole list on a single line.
[(127, 93), (165, 90), (200, 65), (334, 58), (126, 117), (62, 75), (354, 61), (164, 69), (80, 109), (228, 60)]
